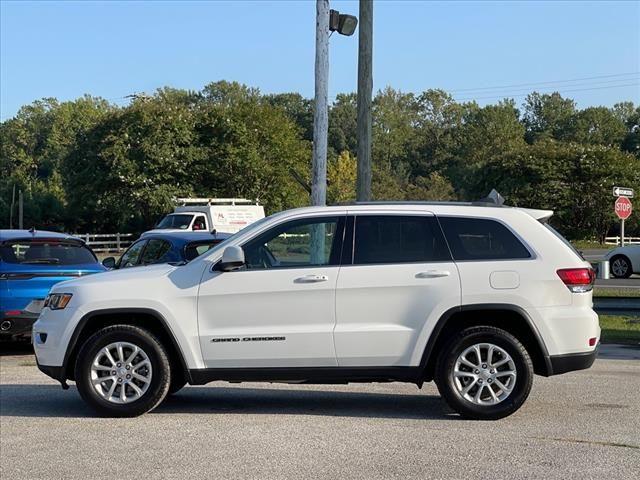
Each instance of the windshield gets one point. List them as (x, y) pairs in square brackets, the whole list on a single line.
[(181, 222), (45, 252)]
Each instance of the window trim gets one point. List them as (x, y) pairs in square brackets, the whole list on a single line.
[(532, 254), (436, 225)]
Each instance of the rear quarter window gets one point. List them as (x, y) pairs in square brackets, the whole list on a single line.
[(481, 239)]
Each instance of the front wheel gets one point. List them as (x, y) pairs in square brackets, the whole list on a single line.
[(122, 371), (484, 373)]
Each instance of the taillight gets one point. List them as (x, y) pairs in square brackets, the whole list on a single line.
[(578, 280)]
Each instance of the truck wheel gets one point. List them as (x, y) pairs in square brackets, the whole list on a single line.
[(620, 266), (484, 373), (122, 371)]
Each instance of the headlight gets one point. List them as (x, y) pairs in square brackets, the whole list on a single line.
[(57, 301)]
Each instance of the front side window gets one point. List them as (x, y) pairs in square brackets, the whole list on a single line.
[(199, 223), (398, 239), (481, 239), (130, 257), (299, 243), (156, 252)]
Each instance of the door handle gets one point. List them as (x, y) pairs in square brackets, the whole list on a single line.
[(311, 279), (433, 274)]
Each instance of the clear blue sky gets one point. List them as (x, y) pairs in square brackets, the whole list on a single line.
[(64, 49)]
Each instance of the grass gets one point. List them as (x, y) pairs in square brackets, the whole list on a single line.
[(616, 292), (590, 244), (620, 329)]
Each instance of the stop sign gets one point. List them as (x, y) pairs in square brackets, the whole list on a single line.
[(623, 208)]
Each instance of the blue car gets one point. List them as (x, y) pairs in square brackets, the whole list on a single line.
[(31, 262), (167, 247)]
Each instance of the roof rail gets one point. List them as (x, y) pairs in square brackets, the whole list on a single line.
[(215, 201), (480, 203)]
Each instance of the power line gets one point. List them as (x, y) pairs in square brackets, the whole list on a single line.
[(550, 82), (550, 91)]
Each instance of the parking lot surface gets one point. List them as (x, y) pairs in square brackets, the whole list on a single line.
[(580, 425)]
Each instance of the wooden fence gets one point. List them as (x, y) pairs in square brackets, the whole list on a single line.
[(107, 242), (627, 240)]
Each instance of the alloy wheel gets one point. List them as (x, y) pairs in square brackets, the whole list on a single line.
[(484, 374), (121, 372)]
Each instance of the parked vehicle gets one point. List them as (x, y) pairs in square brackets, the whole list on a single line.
[(228, 215), (478, 298), (624, 261), (31, 262), (169, 247)]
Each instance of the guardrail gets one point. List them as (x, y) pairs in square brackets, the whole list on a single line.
[(107, 242), (617, 305), (627, 240)]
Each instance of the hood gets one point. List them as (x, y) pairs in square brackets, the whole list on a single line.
[(124, 274)]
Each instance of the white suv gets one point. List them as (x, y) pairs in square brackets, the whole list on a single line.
[(475, 297)]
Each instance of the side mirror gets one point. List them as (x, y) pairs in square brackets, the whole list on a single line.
[(109, 262), (232, 259)]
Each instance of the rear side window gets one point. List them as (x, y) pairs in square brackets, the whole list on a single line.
[(46, 252), (195, 249), (398, 239), (481, 239)]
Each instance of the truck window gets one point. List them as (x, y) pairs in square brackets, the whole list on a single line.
[(199, 223), (178, 221)]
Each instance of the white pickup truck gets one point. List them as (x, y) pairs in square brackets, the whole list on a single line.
[(224, 215)]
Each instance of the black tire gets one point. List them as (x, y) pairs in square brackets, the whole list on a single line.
[(624, 263), (158, 385), (446, 363)]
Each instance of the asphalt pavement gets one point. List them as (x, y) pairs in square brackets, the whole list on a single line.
[(583, 424)]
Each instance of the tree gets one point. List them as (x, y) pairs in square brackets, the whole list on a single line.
[(547, 116), (342, 125), (341, 177), (574, 180), (596, 126)]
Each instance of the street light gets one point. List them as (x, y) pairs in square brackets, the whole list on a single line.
[(342, 23)]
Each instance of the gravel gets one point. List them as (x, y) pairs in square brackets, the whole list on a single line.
[(583, 424)]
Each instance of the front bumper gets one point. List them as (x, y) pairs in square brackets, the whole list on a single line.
[(572, 361)]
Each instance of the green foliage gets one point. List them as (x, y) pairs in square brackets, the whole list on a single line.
[(87, 165)]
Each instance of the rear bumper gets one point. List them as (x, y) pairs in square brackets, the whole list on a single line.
[(17, 325), (572, 361)]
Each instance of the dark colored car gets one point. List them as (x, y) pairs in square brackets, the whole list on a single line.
[(169, 247), (31, 262)]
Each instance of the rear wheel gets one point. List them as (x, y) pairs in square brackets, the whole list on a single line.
[(620, 266), (484, 373), (122, 371)]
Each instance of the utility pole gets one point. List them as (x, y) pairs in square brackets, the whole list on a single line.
[(365, 88), (321, 110)]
